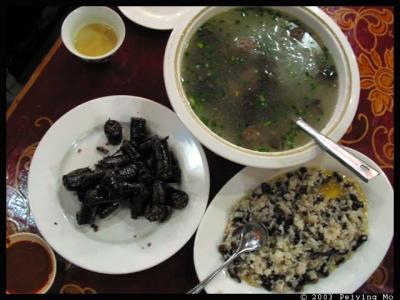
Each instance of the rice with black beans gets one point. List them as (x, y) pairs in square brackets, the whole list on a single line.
[(315, 220)]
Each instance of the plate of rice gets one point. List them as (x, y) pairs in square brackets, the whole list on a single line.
[(327, 230)]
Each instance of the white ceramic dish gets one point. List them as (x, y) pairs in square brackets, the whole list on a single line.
[(156, 17), (84, 15), (348, 83), (27, 236), (347, 278), (121, 244)]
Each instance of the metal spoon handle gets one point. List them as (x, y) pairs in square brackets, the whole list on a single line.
[(360, 168), (198, 288)]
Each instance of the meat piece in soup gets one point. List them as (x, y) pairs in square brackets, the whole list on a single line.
[(246, 71)]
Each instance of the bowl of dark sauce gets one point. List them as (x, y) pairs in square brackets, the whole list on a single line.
[(31, 264)]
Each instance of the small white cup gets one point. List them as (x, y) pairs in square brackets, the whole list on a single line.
[(84, 15)]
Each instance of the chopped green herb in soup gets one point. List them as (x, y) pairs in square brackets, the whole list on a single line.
[(246, 72)]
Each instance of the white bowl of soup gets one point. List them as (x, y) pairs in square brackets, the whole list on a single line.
[(236, 77)]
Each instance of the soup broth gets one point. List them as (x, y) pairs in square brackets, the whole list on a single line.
[(248, 71), (95, 39)]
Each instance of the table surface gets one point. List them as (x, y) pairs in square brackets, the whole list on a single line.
[(62, 82)]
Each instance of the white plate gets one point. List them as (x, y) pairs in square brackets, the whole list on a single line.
[(113, 249), (347, 278), (156, 17)]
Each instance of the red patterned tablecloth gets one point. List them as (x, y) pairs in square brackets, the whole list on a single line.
[(62, 82)]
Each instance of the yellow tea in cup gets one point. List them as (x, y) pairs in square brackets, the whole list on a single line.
[(95, 39)]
